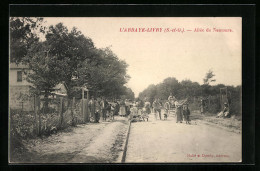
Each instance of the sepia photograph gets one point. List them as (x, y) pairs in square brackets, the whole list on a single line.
[(125, 90)]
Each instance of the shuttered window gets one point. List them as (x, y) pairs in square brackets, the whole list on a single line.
[(19, 76)]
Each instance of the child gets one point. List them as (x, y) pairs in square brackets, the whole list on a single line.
[(112, 112), (166, 110), (133, 117), (186, 113)]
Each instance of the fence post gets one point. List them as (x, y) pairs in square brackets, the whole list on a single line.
[(87, 110), (61, 111), (39, 113), (83, 111), (35, 114)]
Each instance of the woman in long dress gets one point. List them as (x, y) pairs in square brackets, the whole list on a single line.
[(122, 110), (178, 112), (146, 110)]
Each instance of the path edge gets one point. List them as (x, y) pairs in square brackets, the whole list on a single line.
[(122, 157)]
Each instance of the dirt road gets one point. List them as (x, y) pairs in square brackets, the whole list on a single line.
[(168, 141), (87, 143)]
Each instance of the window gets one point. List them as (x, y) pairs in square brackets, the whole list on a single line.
[(19, 76)]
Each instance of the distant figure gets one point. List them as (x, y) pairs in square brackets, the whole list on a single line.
[(104, 105), (167, 107), (202, 106), (133, 117), (186, 113), (111, 112), (117, 107), (146, 110), (97, 112), (178, 112), (225, 113), (92, 107), (122, 110), (108, 112), (171, 100), (157, 108)]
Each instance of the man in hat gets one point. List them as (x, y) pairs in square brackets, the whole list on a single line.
[(104, 106)]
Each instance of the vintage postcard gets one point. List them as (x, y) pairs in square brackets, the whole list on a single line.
[(125, 90)]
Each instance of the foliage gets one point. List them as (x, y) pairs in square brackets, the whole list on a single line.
[(69, 49), (209, 77), (105, 74), (68, 57), (193, 91), (23, 34)]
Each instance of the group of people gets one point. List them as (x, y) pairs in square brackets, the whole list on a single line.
[(141, 112), (107, 110), (182, 112), (101, 108)]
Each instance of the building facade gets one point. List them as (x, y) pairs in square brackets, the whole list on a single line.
[(19, 88)]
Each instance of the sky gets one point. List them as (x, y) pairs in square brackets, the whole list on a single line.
[(154, 56)]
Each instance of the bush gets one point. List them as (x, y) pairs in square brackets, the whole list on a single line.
[(22, 124)]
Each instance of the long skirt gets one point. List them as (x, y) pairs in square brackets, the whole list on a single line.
[(179, 115), (201, 109), (145, 113), (186, 117), (122, 111)]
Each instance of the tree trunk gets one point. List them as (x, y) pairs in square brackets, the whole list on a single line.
[(46, 102)]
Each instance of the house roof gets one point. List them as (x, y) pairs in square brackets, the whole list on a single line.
[(58, 86), (18, 66)]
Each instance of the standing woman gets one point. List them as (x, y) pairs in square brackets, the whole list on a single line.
[(98, 111), (122, 110), (147, 110), (167, 107), (92, 107), (202, 106), (116, 108), (178, 112)]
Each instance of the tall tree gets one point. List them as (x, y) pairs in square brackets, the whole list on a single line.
[(106, 73), (23, 34), (69, 49), (43, 73)]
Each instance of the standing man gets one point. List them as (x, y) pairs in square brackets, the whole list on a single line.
[(186, 113), (104, 105)]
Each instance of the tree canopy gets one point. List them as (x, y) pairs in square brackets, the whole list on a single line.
[(66, 56)]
